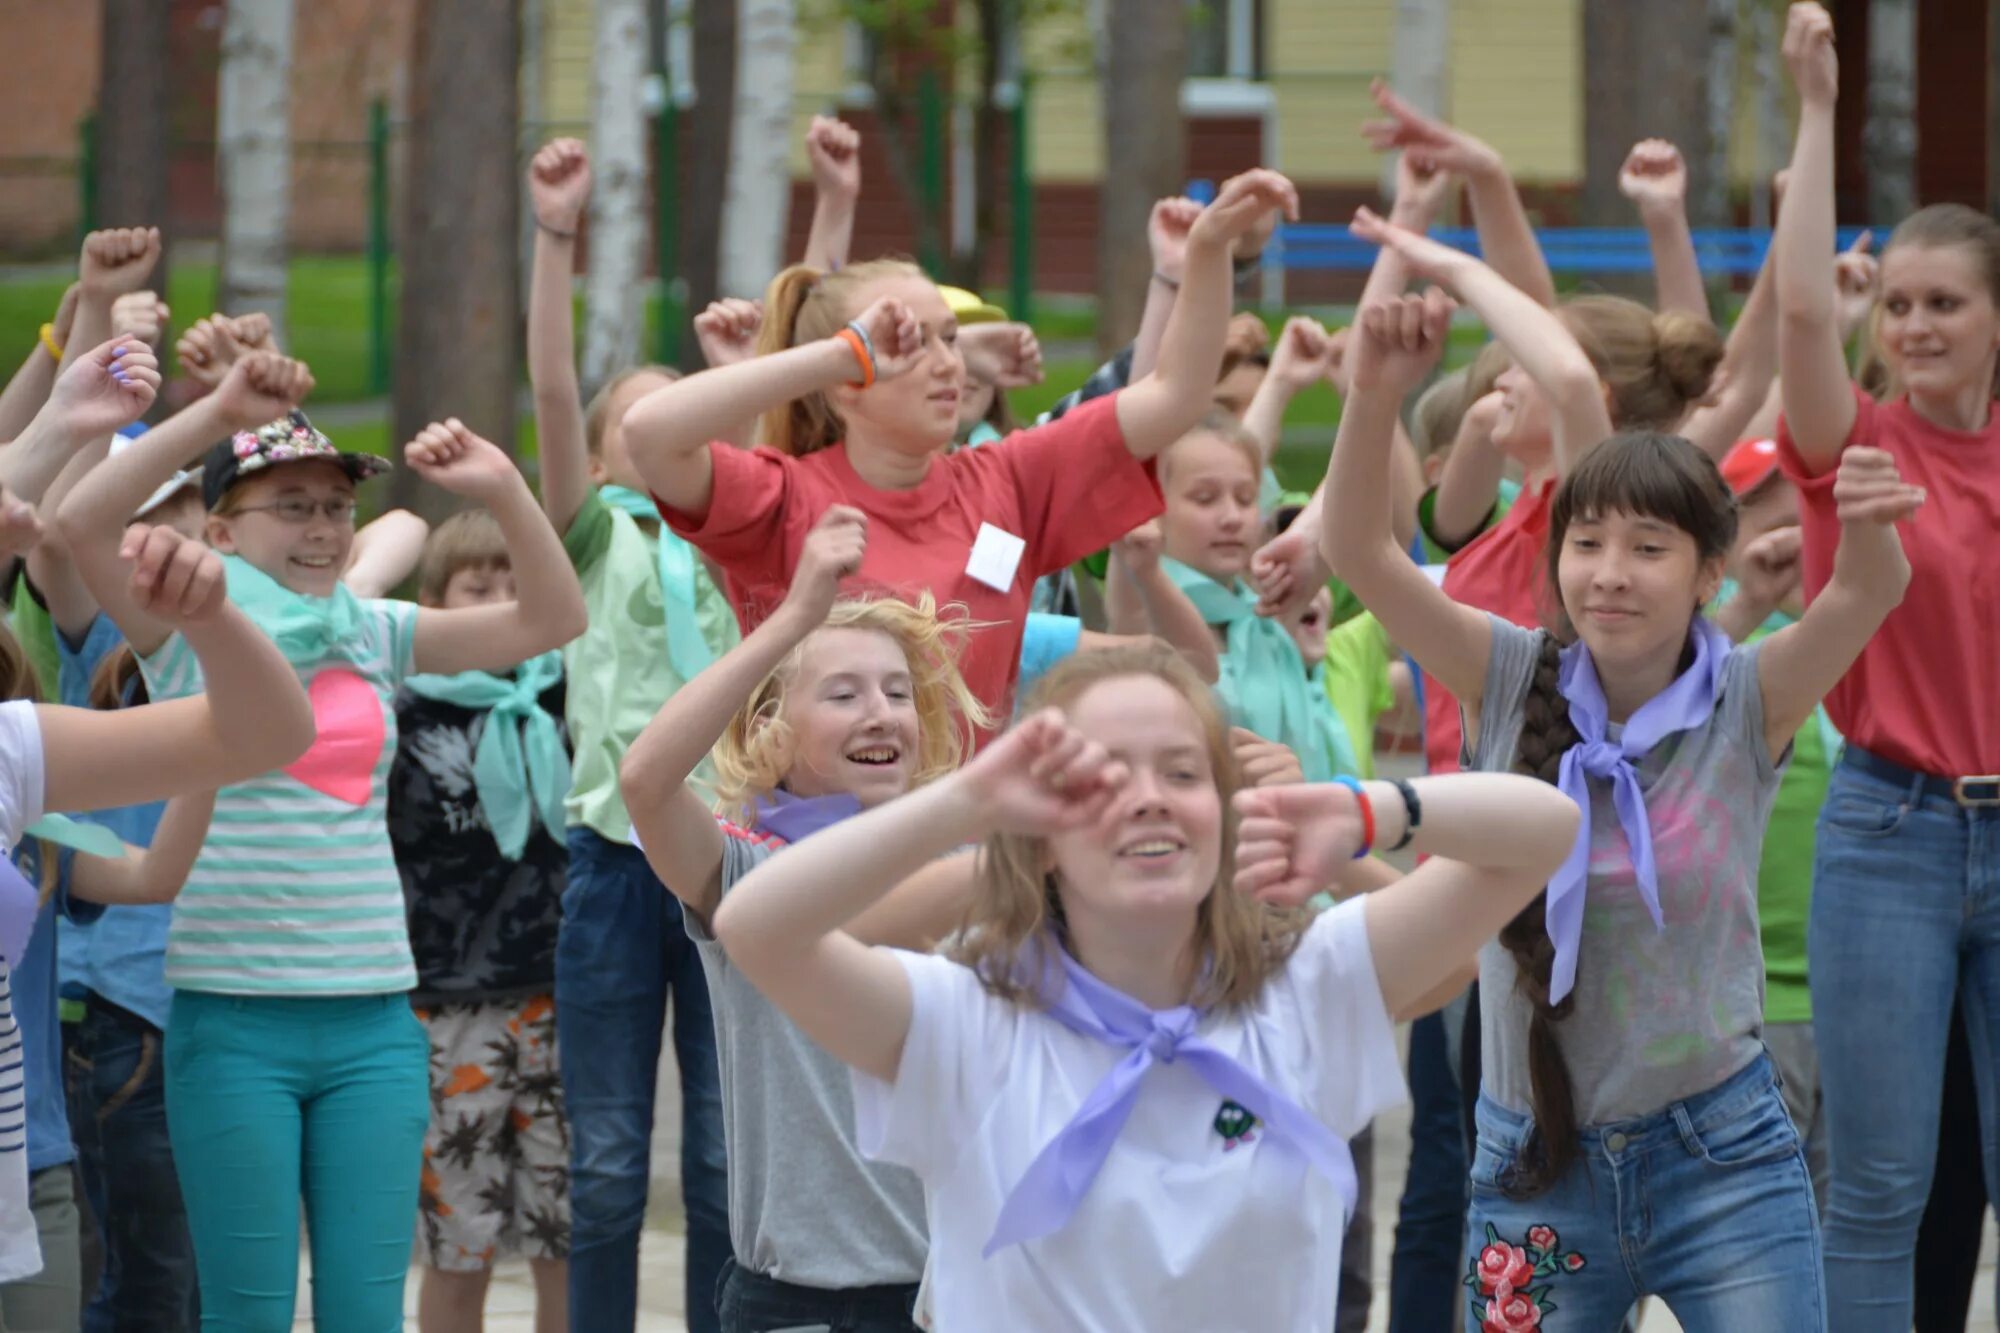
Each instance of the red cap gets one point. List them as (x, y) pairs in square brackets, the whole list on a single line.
[(1747, 465)]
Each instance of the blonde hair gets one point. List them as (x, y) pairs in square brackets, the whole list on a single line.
[(1226, 427), (1239, 943), (1440, 411), (757, 750), (597, 417), (469, 539), (1657, 365), (805, 305)]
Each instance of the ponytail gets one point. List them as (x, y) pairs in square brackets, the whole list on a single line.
[(804, 305), (1551, 1147)]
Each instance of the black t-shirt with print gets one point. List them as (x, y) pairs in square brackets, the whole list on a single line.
[(481, 928)]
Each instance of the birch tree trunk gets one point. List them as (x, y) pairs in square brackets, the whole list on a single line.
[(757, 203), (1889, 141), (1709, 205), (1419, 56), (254, 158), (614, 299)]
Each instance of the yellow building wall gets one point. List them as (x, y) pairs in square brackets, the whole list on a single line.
[(569, 38), (1516, 75), (1319, 58)]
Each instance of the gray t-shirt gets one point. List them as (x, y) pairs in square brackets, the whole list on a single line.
[(804, 1206), (1660, 1014)]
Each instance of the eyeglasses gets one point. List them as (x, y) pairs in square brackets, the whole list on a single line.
[(298, 511)]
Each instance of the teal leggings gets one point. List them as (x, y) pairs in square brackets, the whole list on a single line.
[(271, 1098)]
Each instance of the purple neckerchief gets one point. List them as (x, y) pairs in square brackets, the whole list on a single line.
[(1055, 1182), (795, 818), (1687, 703), (19, 904)]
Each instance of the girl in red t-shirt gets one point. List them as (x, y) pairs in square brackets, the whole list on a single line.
[(859, 387), (1908, 857)]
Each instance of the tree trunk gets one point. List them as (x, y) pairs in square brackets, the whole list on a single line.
[(1889, 142), (132, 122), (614, 298), (1419, 60), (254, 158), (1708, 202), (758, 202), (458, 334), (999, 23), (708, 126), (1145, 141), (1610, 68)]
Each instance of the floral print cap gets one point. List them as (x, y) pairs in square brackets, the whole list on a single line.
[(290, 439)]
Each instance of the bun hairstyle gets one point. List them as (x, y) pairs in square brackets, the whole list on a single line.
[(804, 305), (1648, 475), (1657, 365), (1937, 227)]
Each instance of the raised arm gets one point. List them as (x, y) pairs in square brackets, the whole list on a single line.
[(1470, 482), (1395, 343), (1539, 343), (1165, 405), (1748, 370), (1492, 840), (108, 387), (260, 387), (1302, 358), (1506, 237), (559, 183), (385, 553), (547, 610), (253, 716), (114, 262), (26, 391), (1167, 229), (1801, 662), (682, 843), (1654, 178), (1165, 610), (783, 924), (669, 430), (1812, 365), (833, 148), (154, 874)]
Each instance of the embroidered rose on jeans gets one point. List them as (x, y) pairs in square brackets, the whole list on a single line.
[(1502, 1264), (1509, 1311), (1502, 1278)]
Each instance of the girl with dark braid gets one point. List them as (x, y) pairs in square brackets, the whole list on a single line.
[(1632, 1139)]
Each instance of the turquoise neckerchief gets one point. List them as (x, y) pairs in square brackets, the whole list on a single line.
[(1829, 735), (92, 839), (307, 630), (1264, 680), (520, 768), (686, 648)]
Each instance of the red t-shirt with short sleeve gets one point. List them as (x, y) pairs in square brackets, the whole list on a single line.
[(1067, 489), (1501, 571), (1923, 692)]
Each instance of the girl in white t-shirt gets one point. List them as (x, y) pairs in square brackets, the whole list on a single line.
[(56, 758), (1128, 1087)]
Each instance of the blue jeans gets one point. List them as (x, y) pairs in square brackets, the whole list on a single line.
[(1706, 1204), (1905, 915), (118, 1116), (621, 954), (274, 1096), (1430, 1225), (752, 1303)]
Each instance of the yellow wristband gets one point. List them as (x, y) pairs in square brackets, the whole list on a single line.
[(49, 341)]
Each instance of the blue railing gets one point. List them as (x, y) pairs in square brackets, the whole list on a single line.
[(1720, 251)]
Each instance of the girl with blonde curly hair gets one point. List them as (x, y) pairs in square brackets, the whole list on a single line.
[(1128, 1084), (828, 708)]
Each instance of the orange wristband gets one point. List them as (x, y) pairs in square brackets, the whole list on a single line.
[(853, 340)]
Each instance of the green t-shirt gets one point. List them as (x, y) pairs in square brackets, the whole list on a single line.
[(1356, 676), (1435, 552), (619, 674), (1784, 875), (36, 632)]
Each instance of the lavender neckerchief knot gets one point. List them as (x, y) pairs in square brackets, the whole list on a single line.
[(20, 902), (1056, 1181), (1683, 705), (796, 818)]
